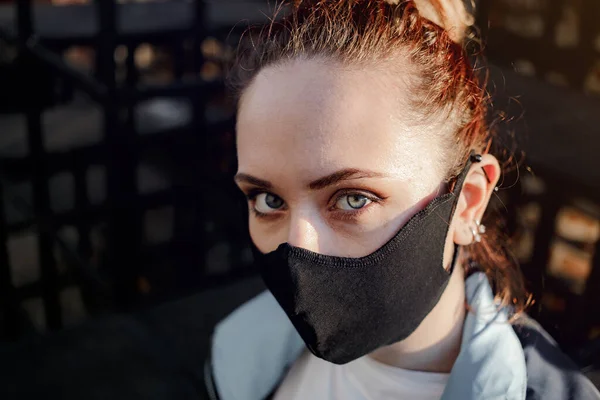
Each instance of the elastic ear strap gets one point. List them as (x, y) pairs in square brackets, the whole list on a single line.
[(473, 158)]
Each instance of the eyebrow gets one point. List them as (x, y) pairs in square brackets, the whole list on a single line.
[(245, 178), (321, 183)]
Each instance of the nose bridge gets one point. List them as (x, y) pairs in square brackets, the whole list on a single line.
[(303, 230)]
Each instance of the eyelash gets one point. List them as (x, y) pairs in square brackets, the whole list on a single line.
[(251, 196), (343, 215)]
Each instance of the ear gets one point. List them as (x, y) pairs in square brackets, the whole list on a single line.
[(474, 198), (451, 15)]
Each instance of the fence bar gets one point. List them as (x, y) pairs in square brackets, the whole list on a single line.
[(8, 303), (189, 211), (133, 74), (83, 82), (199, 31), (175, 89), (588, 11), (50, 59), (41, 195), (24, 19), (59, 161), (178, 55), (24, 28), (121, 184), (591, 301), (41, 205), (132, 222), (482, 19), (544, 234), (84, 243)]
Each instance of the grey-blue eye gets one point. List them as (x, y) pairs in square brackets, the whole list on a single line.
[(351, 202), (266, 203)]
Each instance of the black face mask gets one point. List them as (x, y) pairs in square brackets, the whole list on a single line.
[(345, 308)]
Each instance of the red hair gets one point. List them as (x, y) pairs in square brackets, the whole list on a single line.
[(371, 32)]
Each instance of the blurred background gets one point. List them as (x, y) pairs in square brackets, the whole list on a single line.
[(122, 238)]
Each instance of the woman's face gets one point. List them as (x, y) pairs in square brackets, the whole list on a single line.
[(332, 159)]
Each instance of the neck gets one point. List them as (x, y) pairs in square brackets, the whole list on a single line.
[(435, 344)]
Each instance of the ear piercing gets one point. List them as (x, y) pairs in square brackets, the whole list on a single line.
[(476, 158), (477, 231), (480, 226)]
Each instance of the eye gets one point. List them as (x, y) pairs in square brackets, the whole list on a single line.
[(265, 203), (351, 202)]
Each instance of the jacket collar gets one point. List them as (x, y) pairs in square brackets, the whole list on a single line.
[(253, 348)]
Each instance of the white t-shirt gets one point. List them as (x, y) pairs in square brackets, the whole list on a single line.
[(311, 378)]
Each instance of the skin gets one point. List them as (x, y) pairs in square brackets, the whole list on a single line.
[(334, 161)]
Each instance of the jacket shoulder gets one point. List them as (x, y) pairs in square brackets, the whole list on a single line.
[(551, 374)]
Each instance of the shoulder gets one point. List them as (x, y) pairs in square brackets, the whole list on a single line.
[(551, 374)]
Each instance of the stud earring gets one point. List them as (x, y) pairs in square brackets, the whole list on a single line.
[(480, 226), (476, 235), (477, 231), (477, 158)]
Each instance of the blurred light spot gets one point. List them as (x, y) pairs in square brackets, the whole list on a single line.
[(210, 71), (524, 67), (574, 225), (121, 54), (144, 286), (144, 56), (567, 29), (529, 26), (23, 250), (211, 47), (557, 79)]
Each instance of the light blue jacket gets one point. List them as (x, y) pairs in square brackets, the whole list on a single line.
[(254, 347)]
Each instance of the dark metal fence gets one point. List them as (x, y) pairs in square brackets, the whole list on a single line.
[(129, 271), (555, 48), (558, 41), (200, 193)]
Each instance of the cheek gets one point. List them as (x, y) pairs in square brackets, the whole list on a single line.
[(329, 237), (266, 237)]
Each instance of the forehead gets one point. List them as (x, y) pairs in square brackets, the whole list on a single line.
[(307, 118)]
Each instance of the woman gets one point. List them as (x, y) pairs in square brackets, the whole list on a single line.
[(365, 157)]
